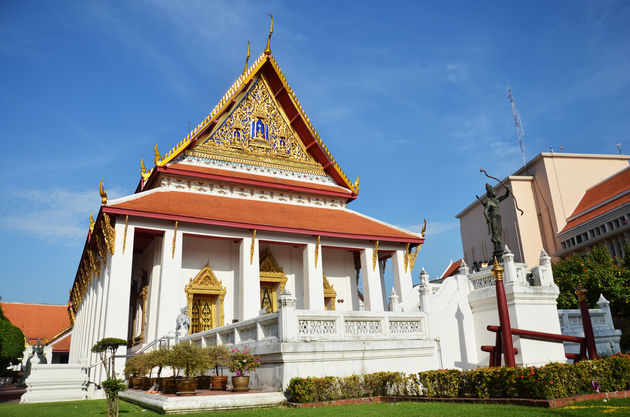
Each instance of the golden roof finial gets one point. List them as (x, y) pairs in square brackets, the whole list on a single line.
[(424, 227), (356, 183), (91, 222), (246, 59), (143, 169), (157, 155), (268, 48), (103, 191)]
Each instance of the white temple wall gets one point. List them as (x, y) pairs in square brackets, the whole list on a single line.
[(338, 267), (452, 326), (222, 255)]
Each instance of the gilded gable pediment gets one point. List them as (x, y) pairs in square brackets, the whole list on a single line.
[(257, 131)]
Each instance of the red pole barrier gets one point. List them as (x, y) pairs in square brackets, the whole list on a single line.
[(586, 322), (504, 315)]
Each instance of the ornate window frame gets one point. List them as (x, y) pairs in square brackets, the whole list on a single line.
[(207, 283), (271, 273)]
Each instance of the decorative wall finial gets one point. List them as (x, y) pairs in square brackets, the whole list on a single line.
[(268, 48), (91, 222), (157, 155), (103, 191), (246, 59), (143, 169)]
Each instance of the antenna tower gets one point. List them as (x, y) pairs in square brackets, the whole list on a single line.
[(517, 122)]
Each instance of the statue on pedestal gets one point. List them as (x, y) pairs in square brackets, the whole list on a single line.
[(492, 213), (182, 324), (37, 357)]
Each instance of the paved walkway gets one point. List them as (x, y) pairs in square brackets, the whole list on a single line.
[(11, 393)]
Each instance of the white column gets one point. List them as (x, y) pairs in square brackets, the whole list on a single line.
[(248, 279), (154, 293), (117, 302), (372, 291), (171, 294), (313, 278), (402, 278)]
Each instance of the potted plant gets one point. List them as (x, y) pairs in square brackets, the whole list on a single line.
[(242, 362), (132, 371), (218, 358), (169, 385), (145, 367), (188, 358), (158, 359)]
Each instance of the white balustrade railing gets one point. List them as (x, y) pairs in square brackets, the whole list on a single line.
[(316, 325)]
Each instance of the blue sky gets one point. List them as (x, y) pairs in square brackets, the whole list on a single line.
[(409, 96)]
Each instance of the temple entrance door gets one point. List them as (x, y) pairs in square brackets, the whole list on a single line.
[(203, 313), (205, 295)]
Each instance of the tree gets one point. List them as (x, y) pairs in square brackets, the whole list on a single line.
[(106, 349), (12, 343), (599, 273)]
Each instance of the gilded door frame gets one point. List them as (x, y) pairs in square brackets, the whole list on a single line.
[(271, 273), (329, 293), (206, 283)]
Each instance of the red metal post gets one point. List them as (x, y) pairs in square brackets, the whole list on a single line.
[(504, 315), (586, 322)]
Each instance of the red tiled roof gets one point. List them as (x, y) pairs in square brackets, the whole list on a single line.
[(452, 270), (609, 189), (38, 320), (252, 214), (229, 175)]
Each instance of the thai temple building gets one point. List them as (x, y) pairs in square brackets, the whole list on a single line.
[(251, 205), (243, 230)]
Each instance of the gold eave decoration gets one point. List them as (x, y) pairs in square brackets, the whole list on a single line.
[(207, 283), (270, 271), (226, 100)]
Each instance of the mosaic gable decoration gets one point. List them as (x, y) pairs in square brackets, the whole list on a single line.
[(256, 131)]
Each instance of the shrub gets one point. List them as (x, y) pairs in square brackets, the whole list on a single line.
[(554, 380), (11, 344)]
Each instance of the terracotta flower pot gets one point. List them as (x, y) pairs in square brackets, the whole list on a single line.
[(186, 386), (136, 382), (219, 383), (146, 383), (169, 385), (157, 381), (203, 382), (240, 383)]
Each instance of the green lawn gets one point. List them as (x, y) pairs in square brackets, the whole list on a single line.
[(616, 407)]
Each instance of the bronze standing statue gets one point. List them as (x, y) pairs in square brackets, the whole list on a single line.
[(492, 213)]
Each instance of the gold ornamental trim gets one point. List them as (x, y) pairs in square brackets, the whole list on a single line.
[(206, 283), (317, 251), (375, 256)]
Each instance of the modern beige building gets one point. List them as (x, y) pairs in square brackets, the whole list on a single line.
[(601, 218), (547, 189)]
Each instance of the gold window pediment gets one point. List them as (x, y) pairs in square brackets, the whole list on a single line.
[(205, 295)]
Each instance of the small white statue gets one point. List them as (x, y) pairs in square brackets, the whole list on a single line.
[(182, 323)]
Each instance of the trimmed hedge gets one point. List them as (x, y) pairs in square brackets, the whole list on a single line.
[(554, 380)]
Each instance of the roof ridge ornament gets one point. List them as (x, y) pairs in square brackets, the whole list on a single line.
[(246, 59), (103, 191), (268, 48)]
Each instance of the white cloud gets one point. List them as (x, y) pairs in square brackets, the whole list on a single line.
[(59, 215), (456, 72)]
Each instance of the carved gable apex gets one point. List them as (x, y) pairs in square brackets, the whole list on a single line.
[(260, 122), (256, 131)]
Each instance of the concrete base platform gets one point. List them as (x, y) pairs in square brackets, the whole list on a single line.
[(203, 401)]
